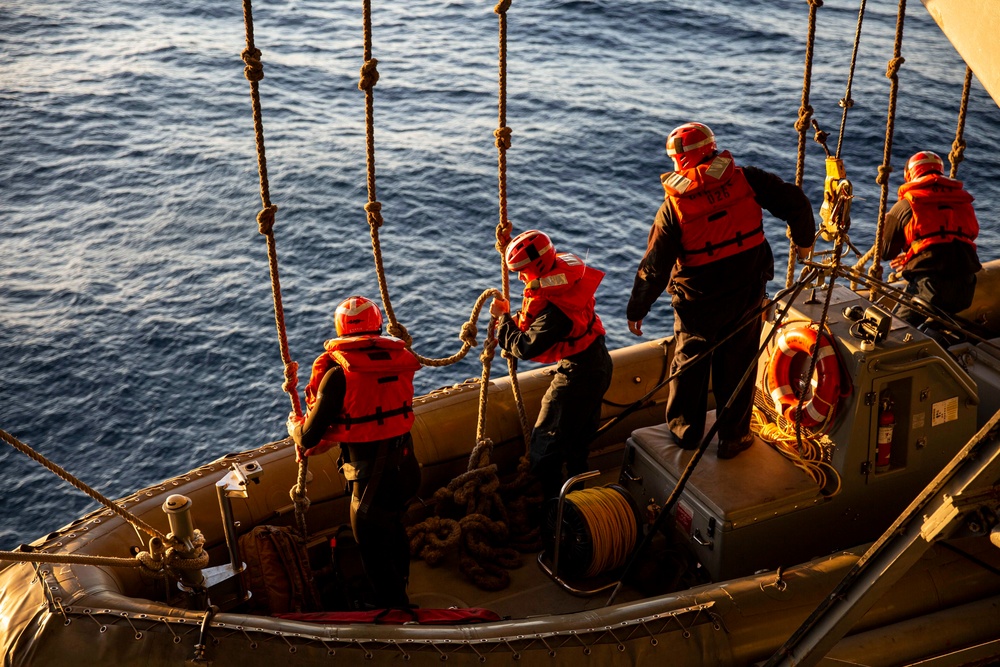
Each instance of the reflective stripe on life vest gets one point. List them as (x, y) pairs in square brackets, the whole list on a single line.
[(715, 208), (570, 286), (942, 213)]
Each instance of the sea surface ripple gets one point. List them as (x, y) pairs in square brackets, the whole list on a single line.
[(137, 335)]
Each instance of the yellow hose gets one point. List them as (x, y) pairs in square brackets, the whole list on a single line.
[(612, 526)]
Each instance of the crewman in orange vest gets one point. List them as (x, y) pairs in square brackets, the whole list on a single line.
[(360, 396), (707, 249), (934, 226), (557, 323)]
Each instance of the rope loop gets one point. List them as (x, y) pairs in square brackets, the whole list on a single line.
[(374, 211), (502, 7), (265, 219), (892, 70), (883, 174), (369, 75), (805, 113), (254, 70), (503, 135)]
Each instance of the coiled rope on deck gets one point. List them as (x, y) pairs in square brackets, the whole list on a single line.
[(805, 452)]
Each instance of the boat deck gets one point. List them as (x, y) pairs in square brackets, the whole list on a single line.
[(532, 592)]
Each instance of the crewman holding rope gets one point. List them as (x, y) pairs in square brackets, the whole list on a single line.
[(707, 248), (934, 224), (360, 396), (557, 323)]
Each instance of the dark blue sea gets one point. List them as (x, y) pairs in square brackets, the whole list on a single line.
[(137, 335)]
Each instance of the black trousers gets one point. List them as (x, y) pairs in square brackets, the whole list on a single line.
[(569, 416), (948, 292), (697, 326), (380, 493)]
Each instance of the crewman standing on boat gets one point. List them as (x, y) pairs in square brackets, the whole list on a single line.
[(707, 248), (360, 396), (934, 226), (557, 323)]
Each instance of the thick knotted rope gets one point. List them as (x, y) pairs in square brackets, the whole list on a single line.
[(958, 146), (165, 556), (846, 102), (254, 72), (802, 123), (892, 72)]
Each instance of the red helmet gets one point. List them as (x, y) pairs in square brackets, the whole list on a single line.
[(531, 253), (921, 164), (689, 145), (358, 315)]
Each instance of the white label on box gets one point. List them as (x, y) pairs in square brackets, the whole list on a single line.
[(918, 421), (945, 411)]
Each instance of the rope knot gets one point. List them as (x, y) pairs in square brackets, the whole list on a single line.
[(254, 70), (846, 102), (299, 499), (502, 7), (468, 333), (957, 153), (291, 377), (805, 113), (883, 174), (374, 211), (399, 331), (265, 219), (503, 238), (369, 75), (816, 3), (502, 135), (894, 65)]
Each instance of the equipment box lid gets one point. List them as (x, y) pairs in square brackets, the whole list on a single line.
[(758, 483)]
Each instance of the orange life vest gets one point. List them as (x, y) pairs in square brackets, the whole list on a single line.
[(942, 212), (378, 371), (570, 286), (716, 210)]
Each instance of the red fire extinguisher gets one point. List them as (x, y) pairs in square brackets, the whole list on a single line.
[(886, 424)]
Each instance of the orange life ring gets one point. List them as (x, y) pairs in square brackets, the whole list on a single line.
[(793, 342)]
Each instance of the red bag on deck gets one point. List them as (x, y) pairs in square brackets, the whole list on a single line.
[(454, 616)]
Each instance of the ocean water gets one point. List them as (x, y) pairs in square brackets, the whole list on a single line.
[(137, 335)]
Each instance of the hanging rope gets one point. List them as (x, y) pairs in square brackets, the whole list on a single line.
[(892, 72), (846, 102), (521, 505), (957, 153), (802, 124), (472, 514), (254, 72)]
